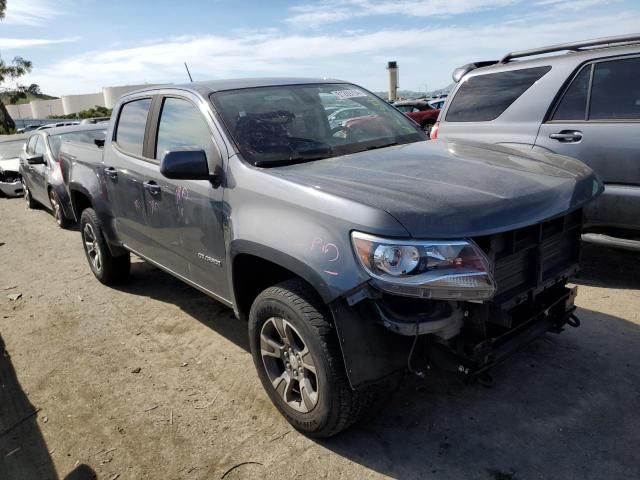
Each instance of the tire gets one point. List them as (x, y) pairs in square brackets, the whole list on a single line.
[(329, 404), (427, 128), (31, 203), (56, 208), (108, 269)]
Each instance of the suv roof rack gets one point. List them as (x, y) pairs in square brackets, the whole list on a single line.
[(574, 46)]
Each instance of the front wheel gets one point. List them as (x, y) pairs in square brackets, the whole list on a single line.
[(106, 267), (296, 353)]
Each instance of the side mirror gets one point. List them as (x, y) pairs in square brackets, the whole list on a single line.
[(187, 164), (99, 142), (35, 160)]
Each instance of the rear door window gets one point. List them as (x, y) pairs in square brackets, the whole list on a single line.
[(573, 105), (131, 126), (615, 93), (485, 97)]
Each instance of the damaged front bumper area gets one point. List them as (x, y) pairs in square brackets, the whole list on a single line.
[(10, 184), (381, 333)]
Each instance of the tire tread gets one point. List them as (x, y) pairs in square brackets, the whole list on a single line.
[(351, 404)]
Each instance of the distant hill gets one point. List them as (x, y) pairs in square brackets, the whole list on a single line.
[(30, 96)]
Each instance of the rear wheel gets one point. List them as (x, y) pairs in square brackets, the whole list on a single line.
[(58, 213), (427, 129), (296, 353), (106, 267), (31, 203)]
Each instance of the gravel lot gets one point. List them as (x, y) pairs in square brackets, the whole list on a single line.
[(565, 407)]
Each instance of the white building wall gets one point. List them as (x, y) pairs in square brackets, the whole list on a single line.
[(77, 103), (18, 112), (46, 108), (112, 94)]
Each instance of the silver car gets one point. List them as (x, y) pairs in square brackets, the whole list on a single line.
[(580, 99)]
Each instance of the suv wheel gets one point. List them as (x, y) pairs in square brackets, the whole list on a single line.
[(31, 203), (56, 208), (107, 268), (296, 353)]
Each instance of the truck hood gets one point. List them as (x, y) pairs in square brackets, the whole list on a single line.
[(10, 165), (452, 188)]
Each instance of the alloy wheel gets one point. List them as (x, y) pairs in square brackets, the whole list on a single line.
[(289, 364), (27, 193), (91, 246), (55, 205)]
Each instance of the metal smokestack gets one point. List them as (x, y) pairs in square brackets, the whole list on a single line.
[(393, 80)]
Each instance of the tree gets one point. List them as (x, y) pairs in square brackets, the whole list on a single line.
[(11, 72), (95, 112)]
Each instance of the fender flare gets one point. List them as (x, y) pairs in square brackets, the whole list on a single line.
[(278, 257)]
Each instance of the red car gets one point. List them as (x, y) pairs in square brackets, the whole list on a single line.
[(420, 112)]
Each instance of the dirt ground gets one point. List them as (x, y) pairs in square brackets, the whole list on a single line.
[(154, 380)]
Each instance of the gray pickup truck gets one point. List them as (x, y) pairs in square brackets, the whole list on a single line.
[(355, 252)]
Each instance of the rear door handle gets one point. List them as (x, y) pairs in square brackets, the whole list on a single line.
[(111, 172), (152, 187), (567, 136)]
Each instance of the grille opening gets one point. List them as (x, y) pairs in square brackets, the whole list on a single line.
[(532, 256)]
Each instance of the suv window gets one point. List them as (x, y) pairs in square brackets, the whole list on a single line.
[(182, 125), (485, 97), (573, 105), (131, 126), (615, 94)]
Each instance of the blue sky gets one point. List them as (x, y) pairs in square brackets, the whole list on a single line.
[(83, 45)]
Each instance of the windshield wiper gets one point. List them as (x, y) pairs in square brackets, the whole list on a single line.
[(289, 161), (384, 145)]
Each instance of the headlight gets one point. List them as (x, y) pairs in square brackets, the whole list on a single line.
[(442, 269)]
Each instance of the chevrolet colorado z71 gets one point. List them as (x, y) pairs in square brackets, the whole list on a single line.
[(354, 252)]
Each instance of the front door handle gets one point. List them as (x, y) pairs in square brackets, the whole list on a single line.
[(111, 172), (567, 136), (152, 187)]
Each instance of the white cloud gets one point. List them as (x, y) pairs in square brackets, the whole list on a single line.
[(34, 13), (315, 14), (357, 56), (9, 43)]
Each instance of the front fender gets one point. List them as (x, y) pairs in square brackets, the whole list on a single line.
[(285, 260)]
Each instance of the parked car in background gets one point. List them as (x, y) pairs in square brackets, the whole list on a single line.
[(353, 254), (341, 115), (59, 124), (579, 99), (438, 103), (41, 170), (27, 128), (90, 121), (420, 112), (10, 148)]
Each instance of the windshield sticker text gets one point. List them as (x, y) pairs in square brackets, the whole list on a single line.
[(352, 93)]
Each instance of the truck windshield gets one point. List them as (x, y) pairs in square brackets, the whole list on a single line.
[(281, 125), (10, 149)]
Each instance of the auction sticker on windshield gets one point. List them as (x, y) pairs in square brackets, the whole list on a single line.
[(350, 93)]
